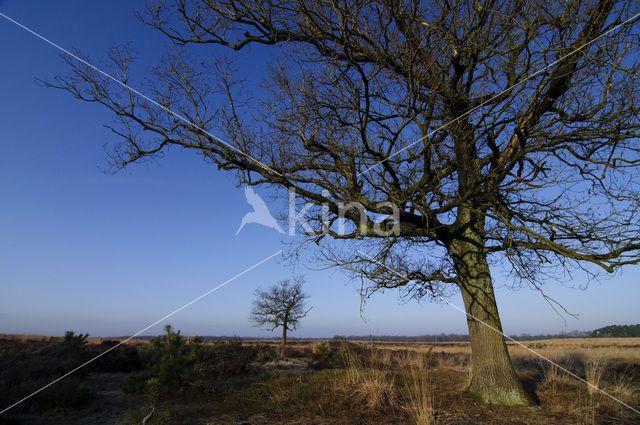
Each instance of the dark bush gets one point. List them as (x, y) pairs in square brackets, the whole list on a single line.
[(122, 358), (171, 369), (72, 341), (176, 366), (137, 382), (70, 392), (325, 356), (227, 358), (23, 373), (266, 353), (109, 343), (297, 353)]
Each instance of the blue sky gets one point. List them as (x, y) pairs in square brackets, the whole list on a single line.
[(109, 254)]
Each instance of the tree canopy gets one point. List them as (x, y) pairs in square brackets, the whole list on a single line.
[(500, 132)]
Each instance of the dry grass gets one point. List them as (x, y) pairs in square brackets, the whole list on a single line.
[(391, 383), (353, 367), (594, 371), (420, 403), (624, 388), (627, 349), (373, 387), (555, 376), (421, 383), (590, 402), (586, 411), (416, 396), (609, 364), (390, 377), (280, 394)]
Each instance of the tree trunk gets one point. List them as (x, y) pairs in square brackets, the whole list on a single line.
[(283, 343), (494, 379)]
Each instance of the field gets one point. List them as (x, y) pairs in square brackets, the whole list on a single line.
[(320, 382)]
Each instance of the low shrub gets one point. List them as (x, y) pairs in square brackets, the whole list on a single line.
[(122, 358), (71, 343), (23, 372), (226, 358), (173, 366), (68, 393), (324, 356), (265, 354)]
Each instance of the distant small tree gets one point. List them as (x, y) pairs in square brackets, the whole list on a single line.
[(282, 305), (73, 341)]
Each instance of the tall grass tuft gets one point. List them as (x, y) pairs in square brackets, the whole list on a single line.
[(554, 375), (352, 366), (372, 387), (376, 389), (594, 371), (416, 396), (626, 389)]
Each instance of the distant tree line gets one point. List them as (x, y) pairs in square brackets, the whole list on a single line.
[(562, 335), (617, 331), (458, 337), (612, 331), (395, 338)]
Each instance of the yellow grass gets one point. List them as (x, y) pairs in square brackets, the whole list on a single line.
[(416, 396), (625, 389), (627, 349), (594, 369)]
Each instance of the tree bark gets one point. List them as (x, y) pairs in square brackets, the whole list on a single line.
[(494, 379), (283, 343)]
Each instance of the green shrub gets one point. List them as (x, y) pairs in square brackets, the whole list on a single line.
[(70, 392), (73, 341), (226, 358), (266, 354), (173, 366), (325, 356), (121, 358)]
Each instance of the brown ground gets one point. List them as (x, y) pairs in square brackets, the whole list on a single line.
[(377, 383)]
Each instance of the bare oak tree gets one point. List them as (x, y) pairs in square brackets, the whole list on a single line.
[(504, 131), (281, 306)]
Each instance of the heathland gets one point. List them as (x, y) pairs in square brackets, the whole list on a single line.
[(189, 381)]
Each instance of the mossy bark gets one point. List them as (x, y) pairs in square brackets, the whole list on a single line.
[(283, 342), (494, 379)]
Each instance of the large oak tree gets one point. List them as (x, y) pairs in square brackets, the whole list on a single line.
[(504, 131)]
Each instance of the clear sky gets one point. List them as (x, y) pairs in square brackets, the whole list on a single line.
[(109, 254)]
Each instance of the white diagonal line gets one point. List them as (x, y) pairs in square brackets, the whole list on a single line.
[(492, 98), (508, 337), (175, 114), (142, 330), (543, 357)]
